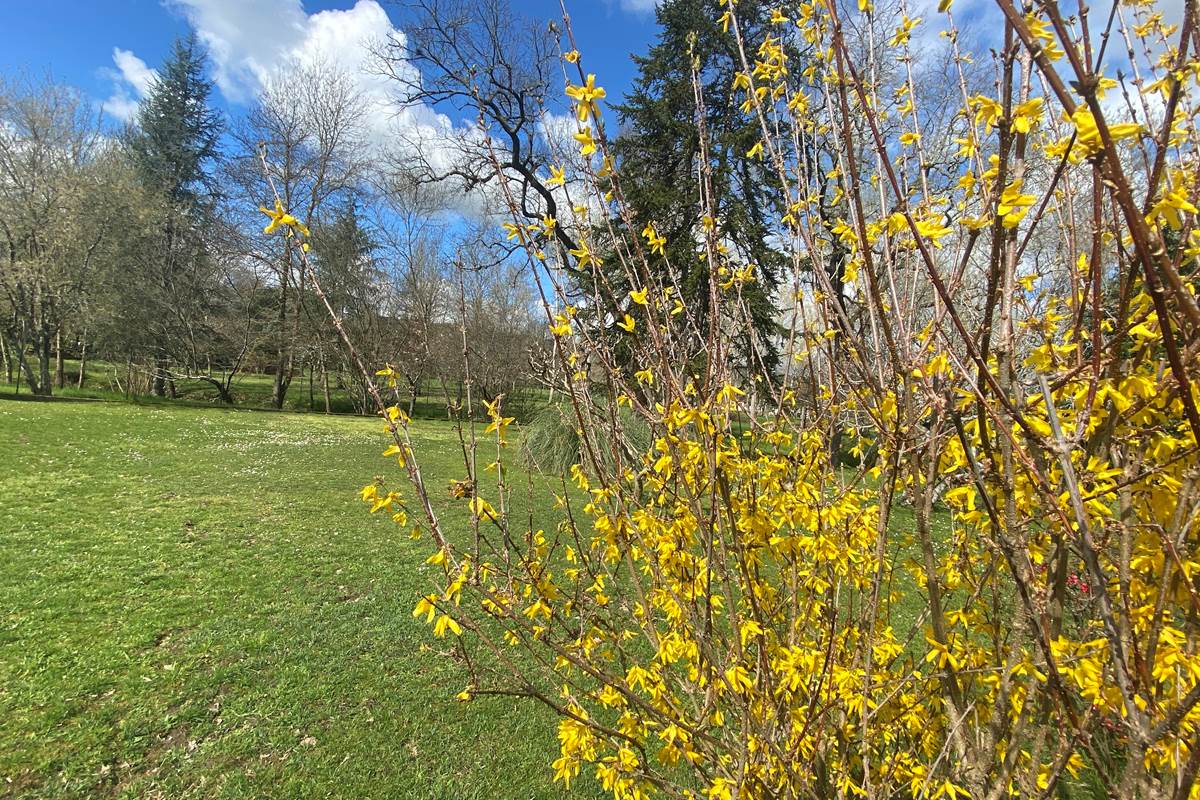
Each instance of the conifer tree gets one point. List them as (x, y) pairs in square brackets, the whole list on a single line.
[(175, 141), (174, 145), (658, 153)]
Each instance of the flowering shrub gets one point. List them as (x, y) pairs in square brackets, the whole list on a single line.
[(993, 313)]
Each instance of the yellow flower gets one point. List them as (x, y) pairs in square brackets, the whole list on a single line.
[(729, 394), (933, 229), (655, 241), (498, 426), (585, 97), (987, 111), (280, 218), (1143, 332), (561, 326), (739, 679), (557, 178), (638, 297), (627, 324), (482, 509), (445, 623), (1087, 134), (1014, 205), (1027, 114), (1044, 36), (425, 607), (587, 145), (1169, 206), (904, 31), (571, 57), (585, 257), (940, 653), (756, 151)]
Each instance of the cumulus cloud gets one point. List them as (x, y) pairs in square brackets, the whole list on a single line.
[(133, 70), (132, 79), (253, 44), (250, 42)]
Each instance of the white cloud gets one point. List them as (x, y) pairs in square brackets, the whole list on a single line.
[(132, 79), (120, 105), (250, 44), (134, 70), (639, 6), (253, 43)]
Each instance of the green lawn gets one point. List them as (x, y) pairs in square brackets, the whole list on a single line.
[(105, 380), (194, 603)]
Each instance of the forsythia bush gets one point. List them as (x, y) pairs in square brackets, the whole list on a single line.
[(950, 549)]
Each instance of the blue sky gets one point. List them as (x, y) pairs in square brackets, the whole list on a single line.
[(105, 46)]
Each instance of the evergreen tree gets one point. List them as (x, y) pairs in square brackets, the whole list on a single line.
[(343, 256), (174, 146), (177, 134), (658, 151)]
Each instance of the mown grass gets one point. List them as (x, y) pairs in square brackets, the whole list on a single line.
[(105, 380), (193, 603)]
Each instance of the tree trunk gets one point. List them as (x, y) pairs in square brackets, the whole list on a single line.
[(25, 367), (82, 361), (4, 355), (312, 403), (282, 356), (60, 367), (279, 389), (325, 385), (44, 363), (159, 386), (223, 393)]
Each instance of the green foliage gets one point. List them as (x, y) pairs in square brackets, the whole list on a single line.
[(551, 439), (658, 153), (343, 253), (177, 133)]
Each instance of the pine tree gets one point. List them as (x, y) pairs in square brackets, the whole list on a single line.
[(177, 133), (658, 147), (174, 145), (343, 258)]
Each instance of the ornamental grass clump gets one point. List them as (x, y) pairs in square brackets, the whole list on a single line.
[(992, 307)]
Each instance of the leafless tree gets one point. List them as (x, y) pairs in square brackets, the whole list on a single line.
[(49, 136), (486, 59), (310, 120)]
